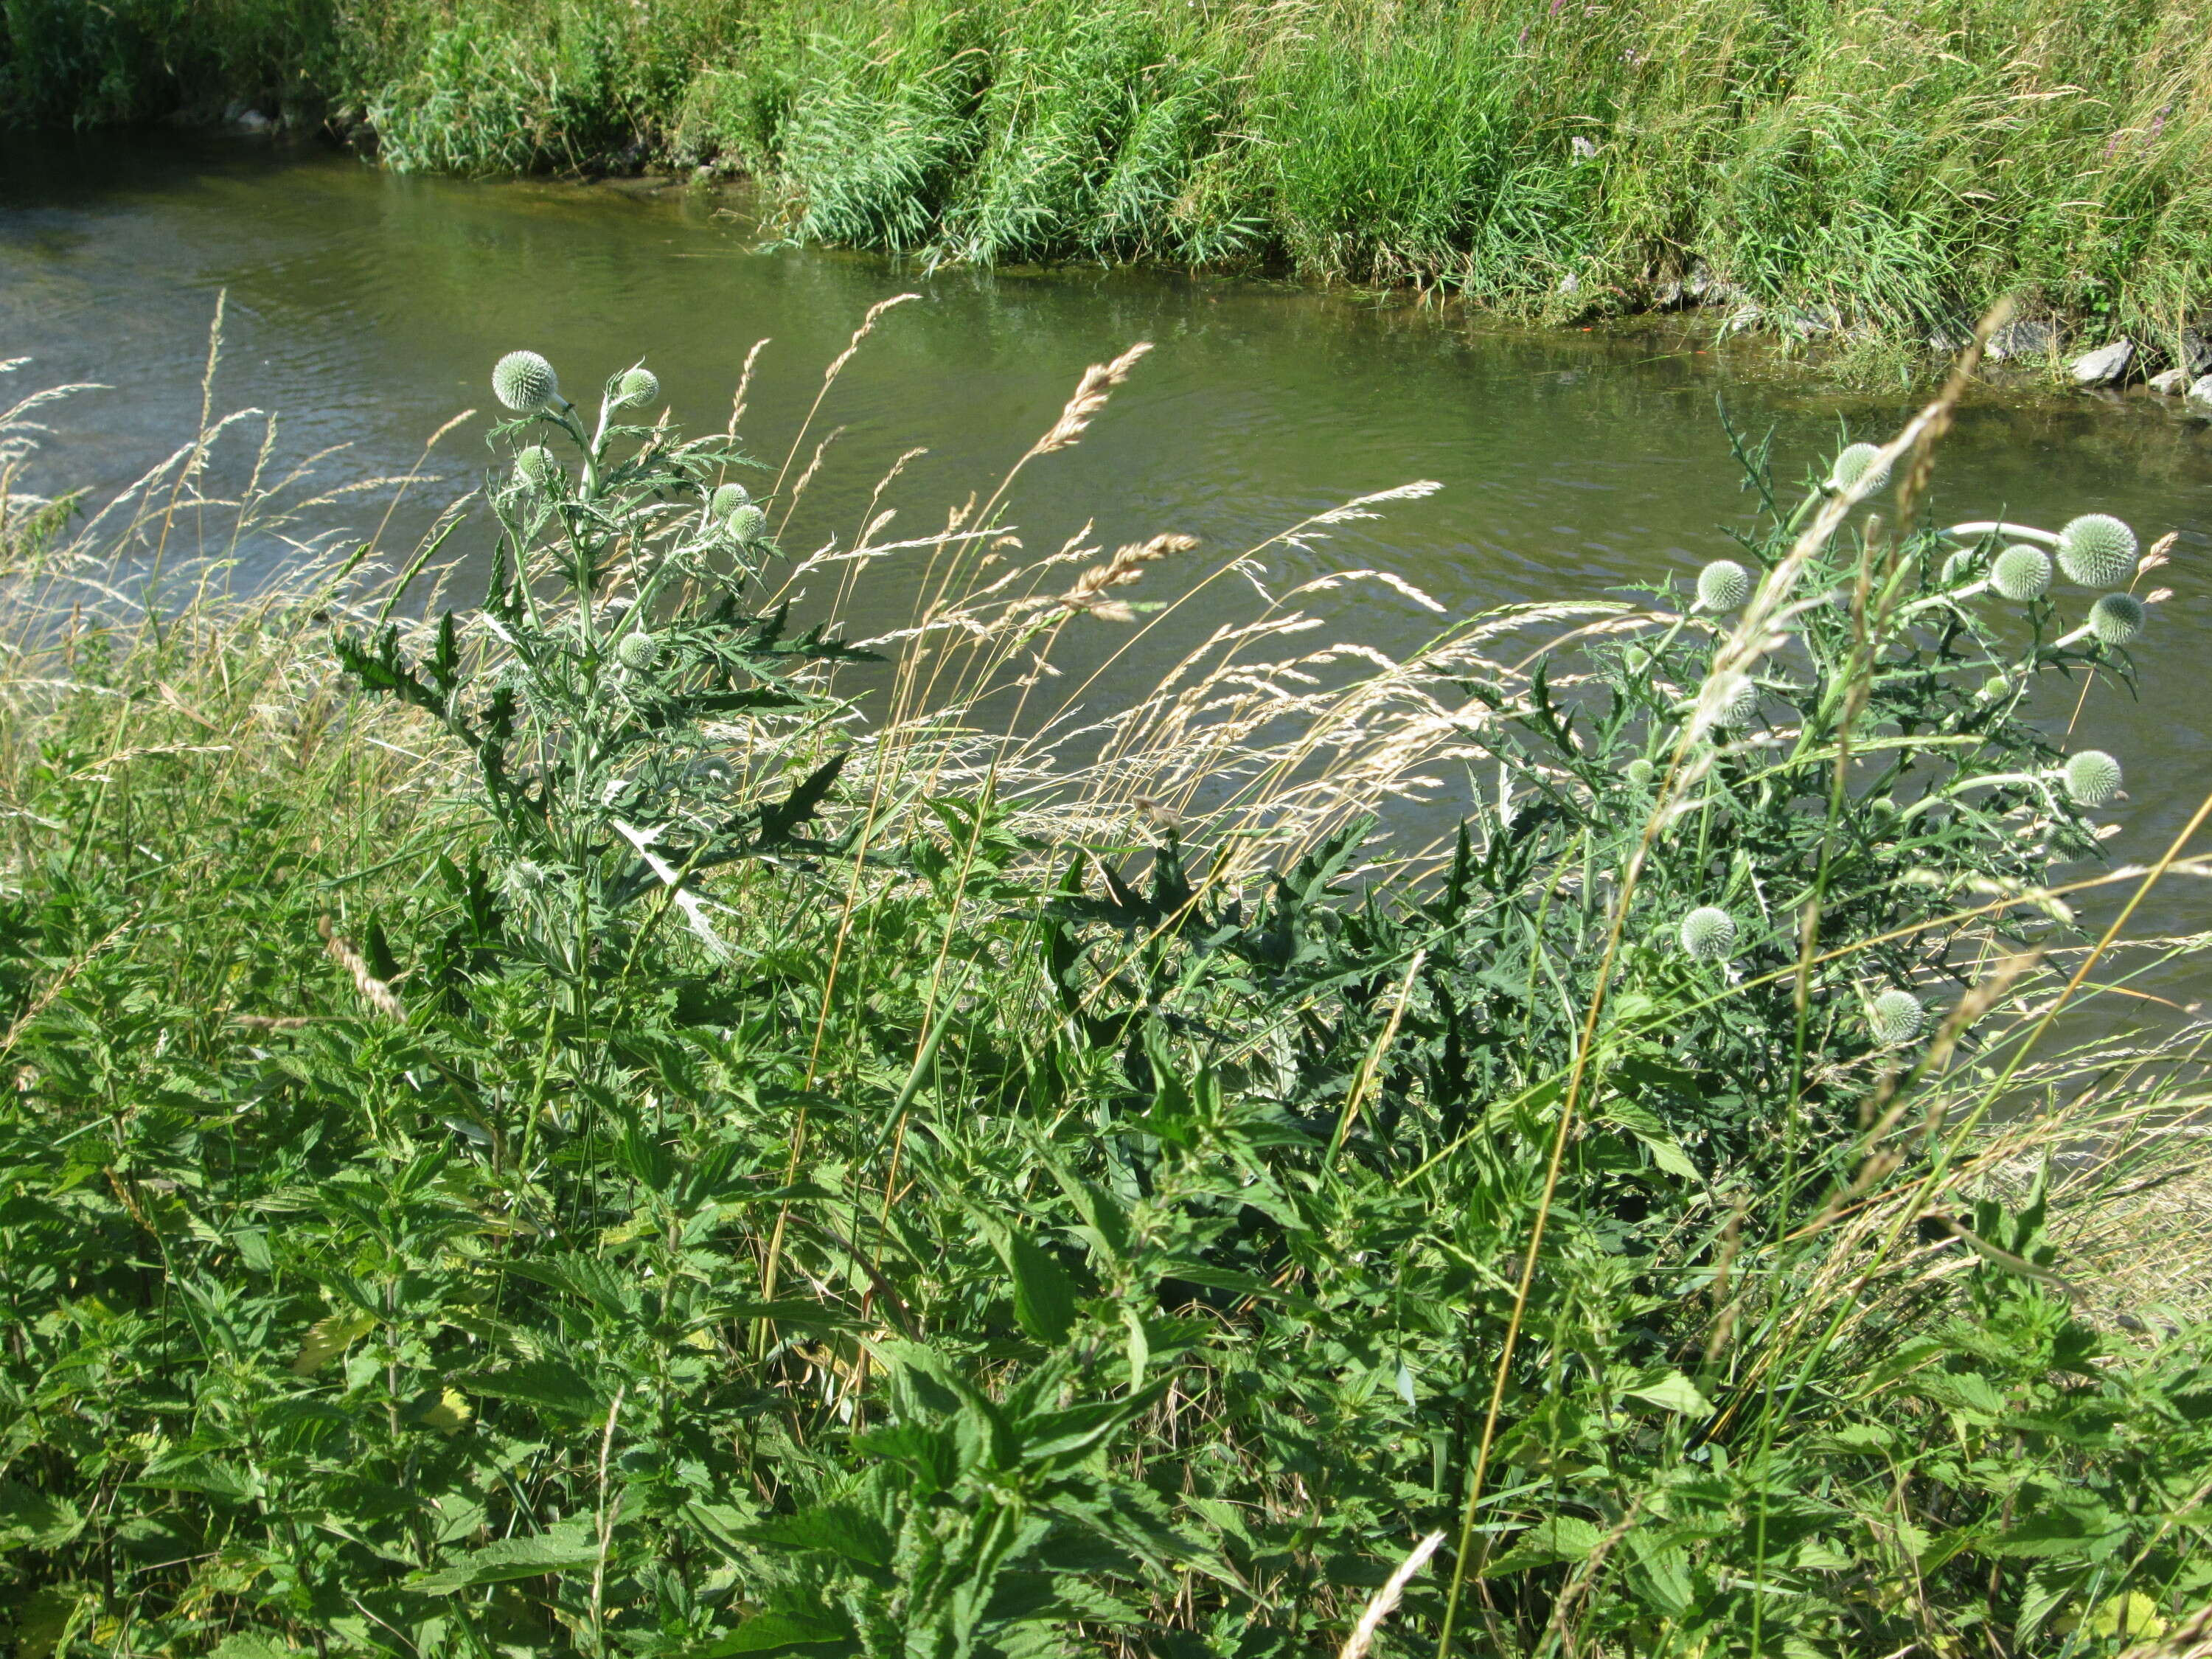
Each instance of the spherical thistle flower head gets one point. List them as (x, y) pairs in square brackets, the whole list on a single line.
[(1897, 1017), (727, 499), (637, 651), (524, 382), (1639, 773), (1723, 585), (1856, 465), (747, 525), (636, 385), (2093, 778), (523, 877), (1956, 566), (2117, 618), (1996, 689), (2097, 550), (534, 466), (1709, 933), (1737, 703), (2021, 572)]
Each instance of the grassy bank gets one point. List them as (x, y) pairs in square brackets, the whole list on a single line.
[(540, 1125), (1841, 168)]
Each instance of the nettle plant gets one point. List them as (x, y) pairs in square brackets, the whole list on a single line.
[(600, 686)]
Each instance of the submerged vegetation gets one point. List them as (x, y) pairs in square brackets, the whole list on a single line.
[(608, 1118), (1823, 169)]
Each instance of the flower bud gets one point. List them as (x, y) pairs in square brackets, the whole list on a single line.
[(1723, 585), (2117, 618), (637, 651), (747, 525), (635, 386), (2093, 778), (1639, 773), (1897, 1017), (524, 382), (2097, 550), (1854, 464), (727, 499), (2021, 572), (1709, 933), (534, 466), (1736, 702)]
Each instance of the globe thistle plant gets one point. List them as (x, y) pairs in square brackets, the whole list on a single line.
[(525, 382), (1859, 463), (1638, 773), (1897, 1017), (1708, 933), (2092, 778), (747, 525), (634, 387), (1736, 702), (2021, 572), (535, 466), (1723, 585), (2097, 550), (637, 651), (727, 499), (2117, 618)]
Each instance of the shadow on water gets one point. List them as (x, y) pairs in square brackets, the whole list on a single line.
[(367, 308)]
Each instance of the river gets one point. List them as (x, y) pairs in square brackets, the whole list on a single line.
[(367, 308)]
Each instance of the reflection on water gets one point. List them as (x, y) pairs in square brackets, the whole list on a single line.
[(367, 309)]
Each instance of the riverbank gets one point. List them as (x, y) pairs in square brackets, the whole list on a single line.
[(528, 1130), (1836, 175)]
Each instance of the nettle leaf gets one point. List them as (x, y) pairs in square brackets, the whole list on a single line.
[(568, 1548), (1044, 1296), (1672, 1391), (329, 1337), (32, 1520), (1554, 1539), (783, 1632)]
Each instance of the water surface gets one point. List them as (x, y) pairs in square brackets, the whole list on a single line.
[(367, 309)]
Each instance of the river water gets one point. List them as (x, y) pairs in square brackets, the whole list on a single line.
[(367, 309)]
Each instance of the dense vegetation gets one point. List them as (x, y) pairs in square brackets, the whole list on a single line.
[(1844, 168), (604, 1119)]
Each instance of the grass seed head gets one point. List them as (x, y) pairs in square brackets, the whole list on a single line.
[(1709, 933), (2093, 778), (2021, 572), (2097, 550), (524, 382)]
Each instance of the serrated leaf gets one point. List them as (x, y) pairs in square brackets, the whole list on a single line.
[(1672, 1391), (1044, 1296), (329, 1337), (568, 1548)]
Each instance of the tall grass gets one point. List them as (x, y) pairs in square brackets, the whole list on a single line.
[(1873, 169), (520, 1140)]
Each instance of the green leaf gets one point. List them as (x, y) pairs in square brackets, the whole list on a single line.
[(565, 1548), (1672, 1391), (1044, 1296), (1556, 1537), (29, 1519), (777, 1633), (329, 1337)]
